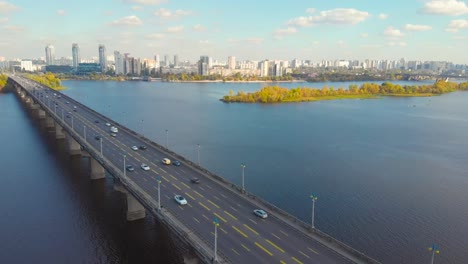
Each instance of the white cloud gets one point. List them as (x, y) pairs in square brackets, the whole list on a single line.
[(162, 12), (371, 46), (383, 16), (333, 16), (310, 10), (400, 44), (127, 21), (445, 7), (460, 37), (255, 40), (165, 13), (204, 42), (175, 29), (199, 28), (13, 28), (457, 24), (147, 2), (364, 35), (181, 12), (154, 36), (61, 12), (137, 8), (281, 32), (3, 20), (412, 27), (393, 33), (6, 7)]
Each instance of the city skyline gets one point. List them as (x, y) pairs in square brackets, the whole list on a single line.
[(423, 30)]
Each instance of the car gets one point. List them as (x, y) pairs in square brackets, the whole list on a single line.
[(74, 110), (68, 102), (135, 148), (145, 167), (166, 161), (74, 107), (260, 213), (68, 116), (108, 124), (113, 134), (142, 147), (59, 96), (97, 137), (176, 163), (195, 180), (129, 168), (114, 129), (96, 121), (180, 199)]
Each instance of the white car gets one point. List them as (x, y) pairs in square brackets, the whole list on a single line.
[(260, 213), (108, 124), (135, 148), (180, 200), (114, 129), (145, 167), (166, 161), (113, 134)]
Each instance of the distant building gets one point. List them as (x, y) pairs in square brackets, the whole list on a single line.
[(277, 70), (176, 60), (76, 55), (119, 63), (50, 54), (264, 68), (231, 62), (88, 68), (26, 65), (102, 58), (158, 61), (203, 65), (166, 60), (59, 68)]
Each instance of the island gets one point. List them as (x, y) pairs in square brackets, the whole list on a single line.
[(3, 81), (48, 79), (276, 94)]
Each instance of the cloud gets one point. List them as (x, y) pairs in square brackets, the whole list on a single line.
[(6, 7), (281, 32), (137, 8), (147, 2), (445, 7), (199, 28), (460, 37), (162, 12), (333, 16), (411, 27), (256, 41), (181, 12), (393, 33), (4, 20), (154, 36), (61, 12), (310, 10), (457, 24), (371, 46), (165, 13), (13, 28), (364, 35), (204, 42), (127, 21), (400, 44), (383, 16), (175, 29)]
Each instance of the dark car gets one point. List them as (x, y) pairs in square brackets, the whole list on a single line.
[(96, 121), (68, 116), (130, 168), (195, 180), (97, 137), (142, 147), (176, 163)]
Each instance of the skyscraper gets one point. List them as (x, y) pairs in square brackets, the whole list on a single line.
[(203, 65), (176, 60), (50, 54), (166, 60), (231, 62), (76, 55), (102, 57), (119, 63)]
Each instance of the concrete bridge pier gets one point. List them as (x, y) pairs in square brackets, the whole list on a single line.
[(97, 171), (74, 147), (135, 210), (49, 122), (191, 259), (41, 113), (59, 134)]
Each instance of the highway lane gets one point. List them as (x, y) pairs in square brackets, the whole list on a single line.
[(242, 237)]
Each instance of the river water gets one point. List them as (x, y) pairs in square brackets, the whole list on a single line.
[(391, 173)]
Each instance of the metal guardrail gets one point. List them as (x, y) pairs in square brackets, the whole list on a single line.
[(284, 216)]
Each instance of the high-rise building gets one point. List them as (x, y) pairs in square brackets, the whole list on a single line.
[(119, 63), (231, 62), (50, 54), (158, 61), (203, 65), (102, 58), (166, 60), (76, 55), (176, 60), (264, 68)]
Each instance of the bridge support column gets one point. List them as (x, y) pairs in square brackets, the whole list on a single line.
[(41, 113), (49, 122), (135, 210), (191, 260), (73, 147), (59, 132), (97, 171)]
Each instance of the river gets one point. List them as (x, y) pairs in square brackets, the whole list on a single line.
[(390, 173)]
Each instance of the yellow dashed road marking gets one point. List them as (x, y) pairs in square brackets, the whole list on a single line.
[(197, 193), (251, 229), (204, 206), (298, 261), (215, 205), (240, 232), (186, 185), (220, 217), (264, 249), (177, 187), (191, 197), (274, 245), (282, 262), (233, 217)]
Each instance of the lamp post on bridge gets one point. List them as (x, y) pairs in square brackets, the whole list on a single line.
[(216, 224), (435, 250), (84, 132), (314, 198), (158, 180), (100, 139), (167, 138), (72, 122), (243, 186), (124, 166)]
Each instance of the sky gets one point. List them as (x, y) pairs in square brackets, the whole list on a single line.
[(247, 29)]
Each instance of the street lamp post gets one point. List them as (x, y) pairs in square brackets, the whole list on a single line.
[(124, 170), (159, 193), (243, 186), (100, 139), (216, 224), (84, 133), (198, 154), (167, 138), (435, 250), (314, 198), (72, 122)]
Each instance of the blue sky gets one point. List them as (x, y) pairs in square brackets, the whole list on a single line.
[(255, 29)]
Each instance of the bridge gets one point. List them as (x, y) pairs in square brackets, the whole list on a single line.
[(217, 225)]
